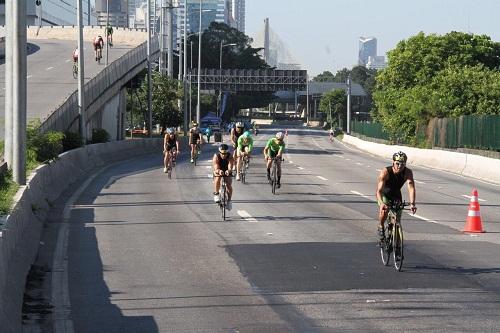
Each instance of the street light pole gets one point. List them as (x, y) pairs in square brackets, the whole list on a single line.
[(198, 111), (349, 104), (106, 32), (81, 75), (220, 77), (186, 123), (148, 57)]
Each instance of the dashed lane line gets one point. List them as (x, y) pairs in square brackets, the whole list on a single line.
[(245, 215), (362, 195), (469, 197), (322, 178), (49, 68), (300, 168)]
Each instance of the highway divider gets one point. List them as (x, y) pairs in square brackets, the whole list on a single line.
[(21, 231), (470, 165)]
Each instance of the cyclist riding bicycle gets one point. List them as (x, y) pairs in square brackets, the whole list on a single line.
[(390, 181), (236, 132), (109, 34), (245, 145), (222, 163), (76, 54), (194, 139), (274, 148), (169, 143), (98, 45)]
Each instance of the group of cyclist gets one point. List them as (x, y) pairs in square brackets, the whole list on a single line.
[(98, 44), (390, 180)]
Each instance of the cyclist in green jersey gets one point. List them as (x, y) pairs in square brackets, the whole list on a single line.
[(274, 148), (109, 35), (244, 147)]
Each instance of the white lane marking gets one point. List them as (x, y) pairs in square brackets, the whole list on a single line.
[(322, 178), (290, 162), (347, 159), (422, 218), (359, 163), (208, 167), (210, 175), (49, 68), (368, 166), (379, 169), (244, 214), (469, 197), (362, 195), (29, 76), (68, 60), (419, 182), (301, 168), (340, 156)]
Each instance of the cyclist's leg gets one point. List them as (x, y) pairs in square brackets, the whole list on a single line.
[(217, 181), (192, 151), (269, 163), (165, 161), (238, 164), (382, 216), (278, 168), (229, 185)]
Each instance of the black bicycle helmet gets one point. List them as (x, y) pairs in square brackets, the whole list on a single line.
[(400, 157), (223, 148)]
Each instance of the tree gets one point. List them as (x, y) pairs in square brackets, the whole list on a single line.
[(333, 104), (326, 76), (437, 76)]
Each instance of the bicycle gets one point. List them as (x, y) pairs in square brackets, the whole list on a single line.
[(171, 162), (99, 55), (224, 197), (274, 174), (197, 151), (244, 168), (75, 69), (393, 241)]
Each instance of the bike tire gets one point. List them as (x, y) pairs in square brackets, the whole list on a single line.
[(169, 172), (75, 72), (398, 247), (274, 179), (385, 248), (223, 202)]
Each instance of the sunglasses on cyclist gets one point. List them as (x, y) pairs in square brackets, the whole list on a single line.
[(224, 152), (399, 164)]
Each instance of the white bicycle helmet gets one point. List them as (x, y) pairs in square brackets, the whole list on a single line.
[(280, 135)]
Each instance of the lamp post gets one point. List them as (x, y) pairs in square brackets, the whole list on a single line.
[(349, 104), (220, 76)]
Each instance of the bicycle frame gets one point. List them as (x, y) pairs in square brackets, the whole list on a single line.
[(223, 196), (274, 174), (393, 242)]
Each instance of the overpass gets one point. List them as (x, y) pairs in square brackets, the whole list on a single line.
[(52, 96)]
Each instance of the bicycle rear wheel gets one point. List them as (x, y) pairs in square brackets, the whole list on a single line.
[(398, 247), (385, 246), (75, 71)]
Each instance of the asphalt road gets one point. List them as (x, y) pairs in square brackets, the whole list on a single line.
[(149, 254), (50, 75)]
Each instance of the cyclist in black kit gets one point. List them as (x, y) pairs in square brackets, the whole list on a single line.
[(390, 181), (194, 140), (222, 163)]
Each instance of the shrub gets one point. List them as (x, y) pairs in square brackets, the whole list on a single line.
[(99, 135), (46, 146), (72, 140)]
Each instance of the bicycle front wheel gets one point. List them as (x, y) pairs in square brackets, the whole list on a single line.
[(223, 201), (273, 178), (385, 247), (398, 247)]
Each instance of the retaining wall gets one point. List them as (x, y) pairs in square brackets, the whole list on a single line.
[(469, 165), (21, 230)]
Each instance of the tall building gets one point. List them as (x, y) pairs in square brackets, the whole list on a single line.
[(118, 12), (367, 48), (236, 14), (53, 12)]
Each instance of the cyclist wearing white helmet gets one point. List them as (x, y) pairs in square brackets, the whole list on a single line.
[(222, 163), (195, 138), (390, 181), (274, 148), (245, 145), (170, 147), (236, 132)]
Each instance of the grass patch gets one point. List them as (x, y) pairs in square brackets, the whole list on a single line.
[(8, 189)]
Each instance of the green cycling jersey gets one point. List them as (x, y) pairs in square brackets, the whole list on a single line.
[(275, 146), (245, 140)]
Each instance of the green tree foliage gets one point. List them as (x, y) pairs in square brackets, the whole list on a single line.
[(326, 76), (437, 76), (333, 104)]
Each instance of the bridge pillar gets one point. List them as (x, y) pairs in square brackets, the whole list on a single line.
[(111, 117)]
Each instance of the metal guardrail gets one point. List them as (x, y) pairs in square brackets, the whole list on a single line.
[(100, 89)]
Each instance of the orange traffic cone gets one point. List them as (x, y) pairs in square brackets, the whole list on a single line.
[(473, 223)]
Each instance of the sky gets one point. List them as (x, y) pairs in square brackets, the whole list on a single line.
[(324, 34)]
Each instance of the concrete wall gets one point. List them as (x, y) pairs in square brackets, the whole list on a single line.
[(21, 232), (2, 47), (469, 165)]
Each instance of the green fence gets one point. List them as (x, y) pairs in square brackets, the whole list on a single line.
[(369, 129), (477, 132)]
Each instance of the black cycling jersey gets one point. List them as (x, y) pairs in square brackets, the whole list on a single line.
[(237, 135), (195, 136), (392, 189), (223, 162)]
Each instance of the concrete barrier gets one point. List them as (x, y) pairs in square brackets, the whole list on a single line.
[(21, 231), (464, 164), (2, 47)]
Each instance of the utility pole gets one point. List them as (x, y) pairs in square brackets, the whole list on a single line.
[(163, 38), (148, 57), (349, 104), (88, 12), (19, 88), (307, 99), (106, 32), (170, 65), (8, 82), (186, 123), (82, 128)]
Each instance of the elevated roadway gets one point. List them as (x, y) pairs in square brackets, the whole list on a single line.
[(149, 254), (50, 66)]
